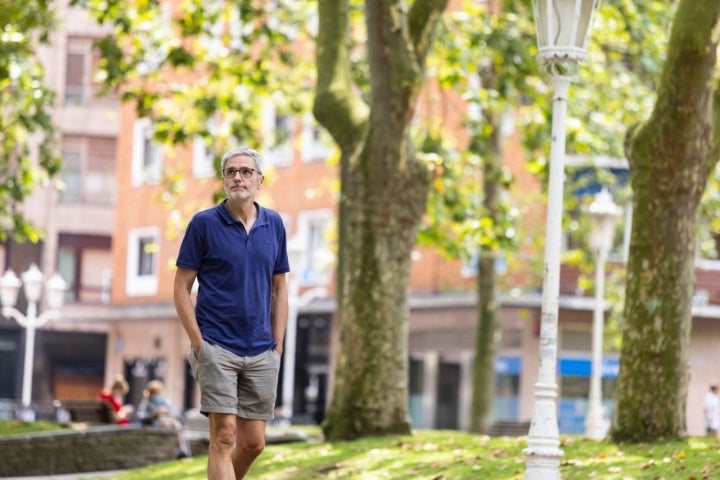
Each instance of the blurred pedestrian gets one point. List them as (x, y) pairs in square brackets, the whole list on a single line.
[(115, 396), (156, 410), (711, 410)]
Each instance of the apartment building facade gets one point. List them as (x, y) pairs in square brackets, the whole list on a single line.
[(77, 214)]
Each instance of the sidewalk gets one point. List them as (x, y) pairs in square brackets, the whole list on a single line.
[(71, 476)]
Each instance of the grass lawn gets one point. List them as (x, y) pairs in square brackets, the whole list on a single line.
[(445, 455), (15, 427)]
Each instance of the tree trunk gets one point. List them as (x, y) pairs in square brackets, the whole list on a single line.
[(383, 194), (371, 376), (671, 157), (487, 331)]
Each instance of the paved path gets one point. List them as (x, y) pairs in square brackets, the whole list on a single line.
[(71, 476)]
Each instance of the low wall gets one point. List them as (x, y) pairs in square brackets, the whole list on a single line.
[(88, 450)]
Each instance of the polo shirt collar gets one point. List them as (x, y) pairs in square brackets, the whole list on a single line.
[(230, 220)]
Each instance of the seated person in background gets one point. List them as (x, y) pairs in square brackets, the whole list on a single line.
[(156, 410), (115, 396)]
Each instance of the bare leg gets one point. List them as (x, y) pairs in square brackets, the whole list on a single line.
[(249, 444), (175, 424), (222, 441)]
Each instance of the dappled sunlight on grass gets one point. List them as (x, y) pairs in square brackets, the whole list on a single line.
[(452, 455), (692, 459)]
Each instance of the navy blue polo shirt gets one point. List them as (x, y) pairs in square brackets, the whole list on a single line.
[(234, 271)]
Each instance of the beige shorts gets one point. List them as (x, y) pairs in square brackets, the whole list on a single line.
[(230, 383)]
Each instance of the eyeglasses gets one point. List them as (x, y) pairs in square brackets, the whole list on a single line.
[(245, 172)]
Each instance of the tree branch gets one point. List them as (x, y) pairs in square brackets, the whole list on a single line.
[(341, 111), (422, 20), (690, 64)]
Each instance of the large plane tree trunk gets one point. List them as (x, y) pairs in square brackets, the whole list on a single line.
[(671, 157), (383, 195)]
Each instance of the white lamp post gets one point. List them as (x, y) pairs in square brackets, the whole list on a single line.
[(603, 213), (32, 283), (296, 253), (562, 27)]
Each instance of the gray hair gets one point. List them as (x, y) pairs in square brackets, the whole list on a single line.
[(247, 151)]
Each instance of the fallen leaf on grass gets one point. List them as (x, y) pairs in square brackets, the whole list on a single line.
[(648, 464)]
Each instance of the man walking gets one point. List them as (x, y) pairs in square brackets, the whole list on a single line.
[(237, 251)]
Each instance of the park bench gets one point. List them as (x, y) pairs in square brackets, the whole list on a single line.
[(90, 411), (509, 428)]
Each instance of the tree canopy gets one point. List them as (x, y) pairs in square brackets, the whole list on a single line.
[(28, 149)]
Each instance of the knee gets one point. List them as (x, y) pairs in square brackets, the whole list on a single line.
[(253, 446), (224, 437)]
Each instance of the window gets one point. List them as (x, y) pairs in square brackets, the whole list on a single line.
[(203, 161), (316, 263), (75, 77), (81, 261), (416, 385), (88, 172), (316, 143), (506, 405), (142, 261), (78, 70), (66, 266), (99, 179), (9, 359), (147, 155), (278, 134), (576, 339), (81, 62), (72, 173), (146, 258), (574, 385)]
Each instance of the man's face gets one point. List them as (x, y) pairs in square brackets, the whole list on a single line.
[(241, 180)]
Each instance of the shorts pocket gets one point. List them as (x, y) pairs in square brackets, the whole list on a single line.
[(193, 360), (277, 356)]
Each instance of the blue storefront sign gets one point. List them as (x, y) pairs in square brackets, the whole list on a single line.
[(582, 367)]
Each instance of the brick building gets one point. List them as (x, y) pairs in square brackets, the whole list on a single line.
[(115, 243)]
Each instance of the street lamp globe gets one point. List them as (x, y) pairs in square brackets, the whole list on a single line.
[(603, 215), (9, 288), (55, 291), (562, 28), (32, 283)]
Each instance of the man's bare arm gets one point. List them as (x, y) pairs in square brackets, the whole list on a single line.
[(279, 310), (182, 295)]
